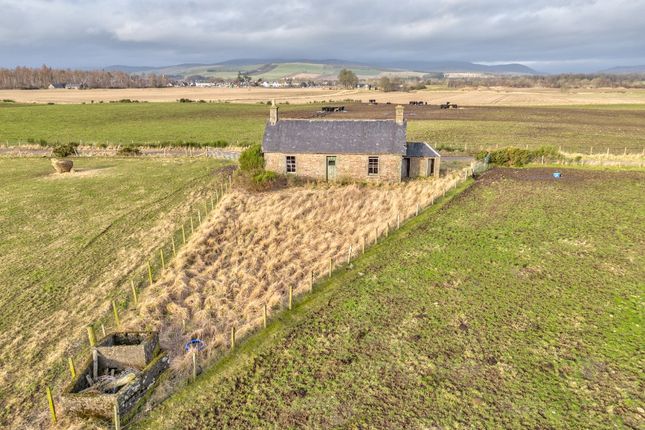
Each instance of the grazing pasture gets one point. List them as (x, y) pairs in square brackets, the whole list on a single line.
[(575, 129), (69, 245), (518, 304)]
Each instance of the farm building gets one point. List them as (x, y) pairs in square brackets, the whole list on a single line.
[(356, 149)]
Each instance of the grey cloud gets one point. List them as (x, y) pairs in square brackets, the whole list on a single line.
[(558, 35)]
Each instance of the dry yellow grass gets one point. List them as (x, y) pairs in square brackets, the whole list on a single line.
[(254, 247), (42, 323), (499, 96)]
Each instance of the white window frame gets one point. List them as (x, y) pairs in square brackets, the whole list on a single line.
[(369, 165), (289, 164)]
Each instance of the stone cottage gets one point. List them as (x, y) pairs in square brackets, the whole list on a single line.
[(357, 149)]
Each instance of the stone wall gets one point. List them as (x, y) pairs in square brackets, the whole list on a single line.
[(352, 166), (421, 166)]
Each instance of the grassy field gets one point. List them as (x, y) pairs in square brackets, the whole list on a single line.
[(572, 128), (516, 305), (492, 96), (69, 244), (123, 123)]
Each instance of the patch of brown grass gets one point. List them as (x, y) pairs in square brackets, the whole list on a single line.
[(253, 247)]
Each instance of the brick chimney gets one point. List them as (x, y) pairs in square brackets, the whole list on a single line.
[(399, 114), (273, 113)]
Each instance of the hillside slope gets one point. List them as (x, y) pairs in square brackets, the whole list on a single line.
[(508, 308)]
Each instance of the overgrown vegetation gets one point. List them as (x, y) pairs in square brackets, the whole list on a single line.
[(252, 160), (516, 157), (64, 149), (252, 175), (128, 151), (67, 243), (508, 308)]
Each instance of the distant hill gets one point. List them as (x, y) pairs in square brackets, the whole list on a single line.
[(274, 69), (619, 70), (463, 66)]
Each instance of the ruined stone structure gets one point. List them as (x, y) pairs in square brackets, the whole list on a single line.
[(137, 355), (355, 149)]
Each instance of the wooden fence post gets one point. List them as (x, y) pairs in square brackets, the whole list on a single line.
[(95, 363), (52, 408), (363, 245), (417, 211), (149, 273), (183, 233), (264, 315), (72, 369), (199, 216), (116, 314), (311, 284), (232, 337), (91, 336), (163, 260), (117, 418), (174, 247), (194, 365), (349, 254), (290, 296), (134, 293), (331, 266), (398, 221)]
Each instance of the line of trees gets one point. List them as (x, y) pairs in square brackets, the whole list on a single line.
[(562, 81), (34, 78)]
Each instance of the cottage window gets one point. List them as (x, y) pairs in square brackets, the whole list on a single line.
[(291, 164), (372, 166)]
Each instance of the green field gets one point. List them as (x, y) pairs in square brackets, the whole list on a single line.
[(518, 304), (572, 128), (69, 245), (123, 123)]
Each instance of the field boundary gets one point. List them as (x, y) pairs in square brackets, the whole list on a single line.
[(297, 289), (127, 288), (246, 347)]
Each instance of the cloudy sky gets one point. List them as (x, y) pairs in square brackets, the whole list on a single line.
[(550, 36)]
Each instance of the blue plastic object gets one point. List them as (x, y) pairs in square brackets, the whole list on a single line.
[(197, 344), (556, 175)]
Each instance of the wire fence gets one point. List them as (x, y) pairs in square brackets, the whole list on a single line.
[(127, 291)]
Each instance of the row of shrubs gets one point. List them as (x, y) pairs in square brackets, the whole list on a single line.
[(165, 144), (62, 150), (518, 157)]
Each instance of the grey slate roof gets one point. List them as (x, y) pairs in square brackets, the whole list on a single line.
[(335, 137), (420, 149)]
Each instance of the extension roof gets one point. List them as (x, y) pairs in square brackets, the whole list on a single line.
[(420, 149), (335, 137)]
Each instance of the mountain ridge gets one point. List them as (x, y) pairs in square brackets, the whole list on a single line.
[(278, 68)]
